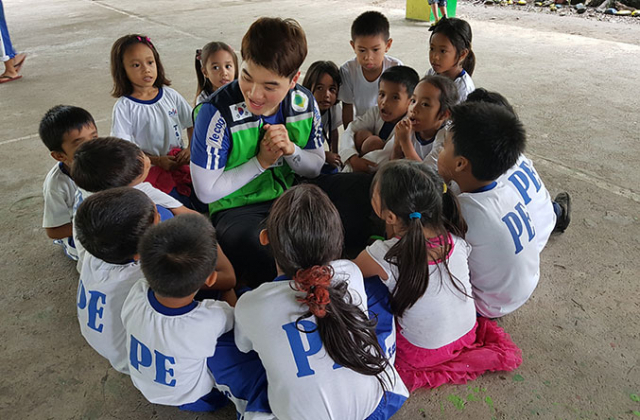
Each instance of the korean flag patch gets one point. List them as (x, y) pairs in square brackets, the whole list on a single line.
[(239, 111)]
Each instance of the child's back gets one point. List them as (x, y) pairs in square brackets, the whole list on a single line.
[(109, 225), (505, 262), (484, 141), (443, 314), (169, 335)]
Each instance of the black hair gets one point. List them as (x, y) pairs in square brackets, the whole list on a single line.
[(202, 56), (489, 136), (403, 75), (306, 234), (110, 223), (483, 95), (122, 86), (448, 91), (178, 255), (58, 121), (370, 23), (106, 162), (317, 70), (458, 31), (407, 187)]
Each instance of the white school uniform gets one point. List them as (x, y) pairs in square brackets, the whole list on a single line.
[(504, 262), (357, 90), (304, 383), (155, 125), (169, 348), (523, 177), (59, 193), (102, 289), (443, 314), (463, 82), (328, 126)]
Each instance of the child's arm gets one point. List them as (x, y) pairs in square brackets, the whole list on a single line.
[(226, 275), (182, 210), (333, 140), (184, 156), (168, 163), (347, 114), (60, 232), (369, 266), (403, 140)]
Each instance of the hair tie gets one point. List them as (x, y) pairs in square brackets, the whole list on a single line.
[(145, 40), (444, 188), (315, 282), (415, 215), (198, 54)]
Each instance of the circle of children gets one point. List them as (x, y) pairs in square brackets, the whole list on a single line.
[(429, 196)]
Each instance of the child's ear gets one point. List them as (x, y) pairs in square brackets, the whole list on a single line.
[(136, 257), (390, 218), (157, 218), (462, 164), (463, 56), (352, 45), (294, 80), (211, 280), (389, 42), (59, 156), (444, 116), (264, 237)]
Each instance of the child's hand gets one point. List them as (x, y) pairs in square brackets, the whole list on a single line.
[(277, 137), (403, 132), (359, 164), (333, 159), (183, 157), (267, 155), (168, 163)]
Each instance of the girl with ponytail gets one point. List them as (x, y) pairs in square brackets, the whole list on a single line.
[(310, 325), (424, 266), (450, 53)]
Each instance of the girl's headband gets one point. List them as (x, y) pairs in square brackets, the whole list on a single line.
[(144, 40)]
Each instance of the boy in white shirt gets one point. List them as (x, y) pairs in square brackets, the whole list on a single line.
[(109, 162), (109, 224), (370, 41), (169, 335), (364, 140), (483, 142), (63, 129)]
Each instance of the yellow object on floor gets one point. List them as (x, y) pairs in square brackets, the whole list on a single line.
[(421, 10)]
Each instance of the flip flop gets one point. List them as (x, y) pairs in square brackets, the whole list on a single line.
[(6, 79), (17, 66)]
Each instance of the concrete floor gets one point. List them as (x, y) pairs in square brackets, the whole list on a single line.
[(574, 84)]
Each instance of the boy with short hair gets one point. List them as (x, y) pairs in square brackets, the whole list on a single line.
[(548, 215), (370, 41), (109, 162), (371, 131), (169, 334), (109, 224), (63, 129), (483, 142), (252, 139)]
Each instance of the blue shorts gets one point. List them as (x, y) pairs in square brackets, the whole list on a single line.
[(441, 3)]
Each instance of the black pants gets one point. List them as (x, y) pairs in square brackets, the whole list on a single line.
[(238, 233), (238, 229), (350, 193)]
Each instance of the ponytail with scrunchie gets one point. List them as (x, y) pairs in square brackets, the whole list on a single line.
[(315, 282)]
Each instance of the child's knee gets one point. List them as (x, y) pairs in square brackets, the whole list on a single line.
[(372, 143)]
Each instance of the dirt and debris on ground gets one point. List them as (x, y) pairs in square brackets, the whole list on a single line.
[(573, 83)]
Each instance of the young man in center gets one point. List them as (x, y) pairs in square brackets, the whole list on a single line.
[(252, 138)]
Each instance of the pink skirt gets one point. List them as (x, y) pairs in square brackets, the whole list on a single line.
[(485, 348)]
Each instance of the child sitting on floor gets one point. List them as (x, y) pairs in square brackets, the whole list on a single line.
[(169, 335), (367, 135), (420, 136), (109, 225), (483, 142), (424, 265), (63, 129)]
